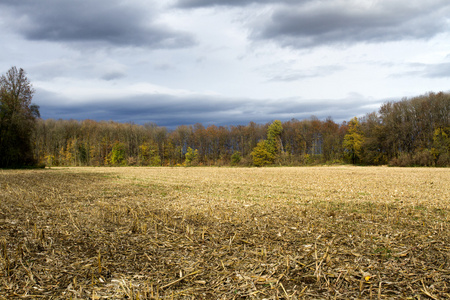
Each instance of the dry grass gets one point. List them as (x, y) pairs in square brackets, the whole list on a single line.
[(225, 233)]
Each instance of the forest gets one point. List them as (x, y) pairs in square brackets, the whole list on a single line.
[(410, 132)]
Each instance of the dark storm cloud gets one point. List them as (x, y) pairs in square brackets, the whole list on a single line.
[(111, 22), (172, 111), (332, 22)]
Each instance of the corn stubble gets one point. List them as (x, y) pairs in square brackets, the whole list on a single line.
[(225, 233)]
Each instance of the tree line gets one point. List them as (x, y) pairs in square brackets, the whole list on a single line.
[(410, 132), (92, 143)]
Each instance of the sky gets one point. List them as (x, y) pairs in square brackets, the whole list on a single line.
[(225, 62)]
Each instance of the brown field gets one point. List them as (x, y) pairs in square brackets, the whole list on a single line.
[(225, 233)]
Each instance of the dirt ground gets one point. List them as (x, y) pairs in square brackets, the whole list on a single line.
[(225, 233)]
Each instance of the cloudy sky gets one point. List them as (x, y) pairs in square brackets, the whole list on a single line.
[(225, 62)]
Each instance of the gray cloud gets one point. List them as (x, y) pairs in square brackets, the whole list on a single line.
[(441, 70), (113, 75), (210, 3), (438, 70), (105, 22), (66, 57), (332, 22), (311, 23), (82, 67), (172, 111), (320, 71), (51, 69), (163, 66)]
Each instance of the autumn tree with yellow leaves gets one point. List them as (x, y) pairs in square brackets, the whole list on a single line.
[(353, 140)]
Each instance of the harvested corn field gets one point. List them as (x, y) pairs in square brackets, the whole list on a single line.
[(225, 233)]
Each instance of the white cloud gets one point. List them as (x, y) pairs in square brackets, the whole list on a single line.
[(188, 61)]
